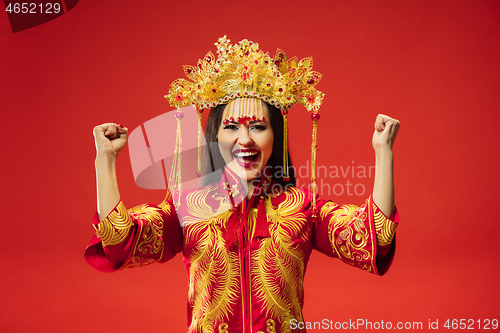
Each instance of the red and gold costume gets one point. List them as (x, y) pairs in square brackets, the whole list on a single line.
[(246, 259), (243, 278)]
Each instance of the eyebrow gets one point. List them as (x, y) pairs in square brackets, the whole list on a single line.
[(250, 122)]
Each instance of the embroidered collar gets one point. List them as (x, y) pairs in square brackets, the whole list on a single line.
[(231, 185)]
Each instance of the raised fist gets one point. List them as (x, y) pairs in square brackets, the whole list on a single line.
[(110, 139), (386, 129)]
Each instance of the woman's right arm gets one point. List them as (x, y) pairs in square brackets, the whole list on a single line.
[(110, 139), (124, 237)]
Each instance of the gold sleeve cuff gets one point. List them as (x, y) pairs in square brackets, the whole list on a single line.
[(384, 228), (115, 228)]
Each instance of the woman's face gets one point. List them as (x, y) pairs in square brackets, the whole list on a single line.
[(246, 148)]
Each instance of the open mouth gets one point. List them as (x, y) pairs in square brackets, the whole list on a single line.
[(246, 157)]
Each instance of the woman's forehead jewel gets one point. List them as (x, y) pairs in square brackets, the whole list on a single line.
[(245, 109)]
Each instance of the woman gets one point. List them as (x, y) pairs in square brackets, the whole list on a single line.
[(246, 238)]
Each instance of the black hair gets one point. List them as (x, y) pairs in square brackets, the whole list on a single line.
[(213, 159)]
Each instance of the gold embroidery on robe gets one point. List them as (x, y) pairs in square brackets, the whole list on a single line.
[(150, 235), (277, 267), (166, 205), (385, 229), (115, 228), (214, 271), (150, 239), (271, 327), (198, 208), (352, 240), (276, 264), (133, 262), (223, 328)]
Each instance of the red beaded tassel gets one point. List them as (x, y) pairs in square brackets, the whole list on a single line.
[(314, 149), (175, 179), (234, 227), (232, 232), (261, 226)]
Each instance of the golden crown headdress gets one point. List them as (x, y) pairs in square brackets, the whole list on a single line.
[(243, 70)]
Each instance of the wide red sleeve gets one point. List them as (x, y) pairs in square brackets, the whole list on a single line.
[(362, 236), (136, 237)]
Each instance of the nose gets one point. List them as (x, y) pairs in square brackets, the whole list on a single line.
[(244, 138)]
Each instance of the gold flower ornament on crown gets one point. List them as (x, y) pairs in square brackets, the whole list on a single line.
[(243, 70)]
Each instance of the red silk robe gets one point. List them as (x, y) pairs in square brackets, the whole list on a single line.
[(245, 268)]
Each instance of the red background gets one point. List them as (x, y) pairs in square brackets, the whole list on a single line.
[(434, 65)]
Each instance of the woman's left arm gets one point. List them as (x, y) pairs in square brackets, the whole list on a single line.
[(363, 236), (386, 129)]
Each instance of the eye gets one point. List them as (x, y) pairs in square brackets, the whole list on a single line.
[(258, 128), (231, 127)]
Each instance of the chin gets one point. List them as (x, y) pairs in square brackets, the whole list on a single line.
[(245, 174)]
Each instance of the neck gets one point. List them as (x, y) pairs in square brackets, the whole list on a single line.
[(250, 189)]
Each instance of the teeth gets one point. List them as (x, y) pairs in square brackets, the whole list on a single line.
[(245, 154)]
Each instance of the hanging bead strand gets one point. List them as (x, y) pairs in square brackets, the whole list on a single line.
[(200, 131), (286, 176), (175, 180), (314, 149)]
